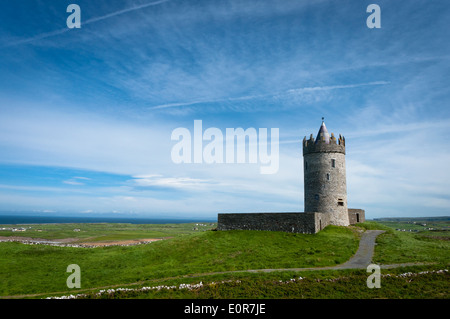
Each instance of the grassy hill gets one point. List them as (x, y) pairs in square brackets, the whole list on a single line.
[(169, 268), (26, 269)]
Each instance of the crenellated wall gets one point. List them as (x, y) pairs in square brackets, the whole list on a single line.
[(313, 146)]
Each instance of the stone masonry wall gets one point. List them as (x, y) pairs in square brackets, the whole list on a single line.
[(288, 222), (306, 223), (356, 216), (325, 188)]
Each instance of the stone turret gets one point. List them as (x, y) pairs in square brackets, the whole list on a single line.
[(325, 176)]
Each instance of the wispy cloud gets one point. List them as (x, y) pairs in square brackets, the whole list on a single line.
[(83, 23), (297, 91), (36, 38), (72, 182), (335, 87), (84, 178), (110, 15), (170, 182), (76, 181)]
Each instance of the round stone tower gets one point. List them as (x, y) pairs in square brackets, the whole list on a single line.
[(324, 176)]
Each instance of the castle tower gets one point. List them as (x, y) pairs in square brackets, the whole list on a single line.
[(324, 176)]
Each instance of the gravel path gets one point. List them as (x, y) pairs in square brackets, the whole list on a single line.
[(363, 256), (360, 260)]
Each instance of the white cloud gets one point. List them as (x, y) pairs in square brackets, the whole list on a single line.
[(72, 182), (87, 141), (171, 182)]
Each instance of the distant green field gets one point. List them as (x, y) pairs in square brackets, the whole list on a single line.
[(426, 226), (105, 231), (422, 245)]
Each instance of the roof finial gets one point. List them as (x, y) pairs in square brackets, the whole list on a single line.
[(323, 118)]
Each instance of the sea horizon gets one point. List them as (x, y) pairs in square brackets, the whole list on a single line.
[(24, 219)]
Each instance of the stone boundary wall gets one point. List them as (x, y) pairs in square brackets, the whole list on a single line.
[(305, 223), (288, 222)]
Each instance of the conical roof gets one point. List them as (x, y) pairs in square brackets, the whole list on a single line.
[(323, 134)]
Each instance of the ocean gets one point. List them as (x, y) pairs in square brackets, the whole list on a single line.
[(26, 219)]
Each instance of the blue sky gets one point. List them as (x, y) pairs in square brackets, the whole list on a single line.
[(86, 115)]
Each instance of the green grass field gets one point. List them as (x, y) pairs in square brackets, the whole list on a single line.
[(105, 231), (190, 255), (408, 282), (403, 247)]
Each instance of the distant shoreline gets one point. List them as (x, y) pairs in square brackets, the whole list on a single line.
[(28, 219)]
